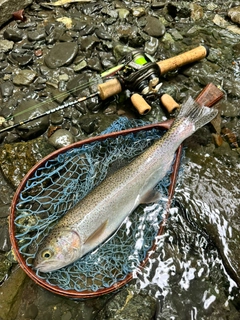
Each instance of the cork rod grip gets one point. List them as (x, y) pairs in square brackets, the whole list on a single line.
[(109, 88), (191, 56), (140, 104)]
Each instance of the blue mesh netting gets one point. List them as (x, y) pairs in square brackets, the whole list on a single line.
[(63, 181)]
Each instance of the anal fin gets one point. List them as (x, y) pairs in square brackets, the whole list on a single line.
[(151, 196)]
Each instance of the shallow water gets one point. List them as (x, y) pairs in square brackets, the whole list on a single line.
[(193, 271)]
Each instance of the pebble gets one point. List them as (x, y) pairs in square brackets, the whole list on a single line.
[(66, 316), (6, 45), (5, 244), (89, 125), (102, 33), (62, 54), (123, 13), (12, 35), (107, 60), (35, 127), (81, 65), (56, 118), (6, 89), (36, 35), (61, 138), (138, 11), (24, 77), (22, 58), (151, 46), (4, 210), (154, 27), (234, 14), (88, 42)]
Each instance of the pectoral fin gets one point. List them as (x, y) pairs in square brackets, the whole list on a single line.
[(96, 236), (151, 196)]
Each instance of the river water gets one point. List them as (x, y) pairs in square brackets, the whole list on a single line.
[(191, 267)]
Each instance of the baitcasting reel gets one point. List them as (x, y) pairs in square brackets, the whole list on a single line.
[(140, 74)]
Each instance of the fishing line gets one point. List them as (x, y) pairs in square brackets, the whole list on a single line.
[(82, 86), (60, 95)]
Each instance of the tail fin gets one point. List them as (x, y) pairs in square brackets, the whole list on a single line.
[(197, 114)]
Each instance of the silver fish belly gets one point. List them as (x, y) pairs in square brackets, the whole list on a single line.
[(103, 210)]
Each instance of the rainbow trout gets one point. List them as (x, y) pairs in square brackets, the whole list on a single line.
[(95, 218)]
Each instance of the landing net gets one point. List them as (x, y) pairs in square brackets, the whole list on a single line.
[(61, 182)]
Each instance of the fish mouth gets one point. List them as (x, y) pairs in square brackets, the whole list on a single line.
[(47, 266)]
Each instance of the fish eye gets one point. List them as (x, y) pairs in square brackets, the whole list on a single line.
[(47, 254)]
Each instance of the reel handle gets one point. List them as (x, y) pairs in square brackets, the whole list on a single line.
[(140, 104), (169, 103)]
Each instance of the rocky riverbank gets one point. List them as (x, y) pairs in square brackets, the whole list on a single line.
[(48, 53)]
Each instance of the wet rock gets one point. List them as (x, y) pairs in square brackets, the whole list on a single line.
[(61, 138), (23, 58), (91, 8), (154, 27), (123, 13), (151, 46), (3, 65), (89, 125), (196, 12), (88, 30), (129, 305), (77, 85), (31, 312), (4, 211), (129, 34), (103, 34), (107, 60), (62, 54), (88, 42), (5, 244), (7, 7), (17, 159), (176, 34), (234, 14), (33, 128), (5, 266), (24, 77), (138, 11), (94, 64), (54, 32), (6, 45), (81, 65), (229, 109), (36, 35), (10, 292), (12, 35), (6, 89)]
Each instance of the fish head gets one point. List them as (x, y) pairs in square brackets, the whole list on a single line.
[(59, 249)]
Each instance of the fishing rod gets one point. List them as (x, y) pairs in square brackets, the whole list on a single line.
[(136, 72)]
